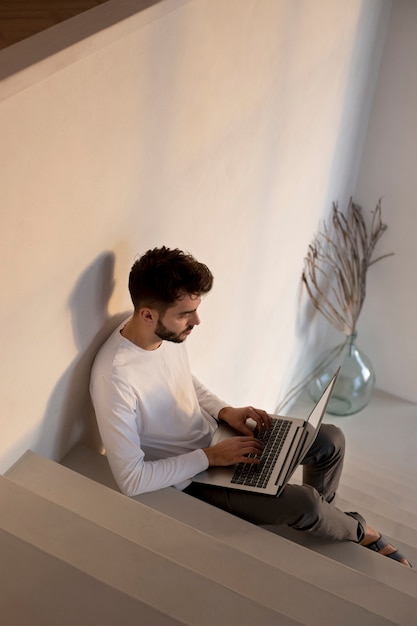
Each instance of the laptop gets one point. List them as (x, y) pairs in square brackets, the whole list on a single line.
[(285, 446)]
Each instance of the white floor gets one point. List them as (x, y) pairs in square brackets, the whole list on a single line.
[(383, 435)]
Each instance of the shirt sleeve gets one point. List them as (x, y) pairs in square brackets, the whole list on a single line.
[(117, 414), (207, 400)]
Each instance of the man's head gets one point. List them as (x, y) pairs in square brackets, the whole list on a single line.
[(161, 276)]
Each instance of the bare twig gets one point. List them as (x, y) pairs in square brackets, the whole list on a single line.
[(337, 262)]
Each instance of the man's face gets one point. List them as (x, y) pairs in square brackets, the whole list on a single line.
[(179, 320)]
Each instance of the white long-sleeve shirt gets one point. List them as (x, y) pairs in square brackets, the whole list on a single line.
[(154, 417)]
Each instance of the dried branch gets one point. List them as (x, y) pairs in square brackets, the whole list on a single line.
[(337, 262)]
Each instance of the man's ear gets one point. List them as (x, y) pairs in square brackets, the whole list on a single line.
[(148, 315)]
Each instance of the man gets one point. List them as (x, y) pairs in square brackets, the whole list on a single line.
[(157, 421)]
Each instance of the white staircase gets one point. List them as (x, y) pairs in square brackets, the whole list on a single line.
[(75, 551)]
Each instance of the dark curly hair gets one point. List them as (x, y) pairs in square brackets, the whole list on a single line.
[(160, 276)]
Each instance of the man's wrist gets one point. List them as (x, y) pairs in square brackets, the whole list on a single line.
[(209, 455), (220, 417)]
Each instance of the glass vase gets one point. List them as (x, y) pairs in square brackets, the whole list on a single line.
[(356, 381)]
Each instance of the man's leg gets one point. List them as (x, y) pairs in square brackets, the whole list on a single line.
[(298, 506), (322, 467), (303, 507)]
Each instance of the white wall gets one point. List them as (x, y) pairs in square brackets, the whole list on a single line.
[(388, 327), (219, 126)]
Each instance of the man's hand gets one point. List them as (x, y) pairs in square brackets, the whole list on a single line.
[(234, 450), (237, 418)]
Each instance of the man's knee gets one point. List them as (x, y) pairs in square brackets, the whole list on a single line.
[(306, 506), (332, 439)]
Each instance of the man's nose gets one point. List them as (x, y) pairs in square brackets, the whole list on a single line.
[(195, 319)]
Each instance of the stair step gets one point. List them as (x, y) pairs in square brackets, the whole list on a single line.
[(384, 435), (140, 573), (377, 487), (202, 551), (171, 505), (385, 474), (38, 589), (383, 438), (397, 533), (379, 506), (385, 525)]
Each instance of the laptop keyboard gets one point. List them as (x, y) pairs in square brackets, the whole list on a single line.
[(272, 440)]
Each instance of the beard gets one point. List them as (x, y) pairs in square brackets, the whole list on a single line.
[(165, 334)]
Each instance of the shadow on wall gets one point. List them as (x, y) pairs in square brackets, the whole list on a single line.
[(311, 331), (69, 416)]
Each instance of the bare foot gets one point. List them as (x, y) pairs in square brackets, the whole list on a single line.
[(374, 541)]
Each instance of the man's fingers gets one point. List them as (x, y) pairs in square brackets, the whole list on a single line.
[(235, 450), (251, 446), (250, 460), (261, 417), (245, 450)]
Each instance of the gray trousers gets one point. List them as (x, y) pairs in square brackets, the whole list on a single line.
[(303, 507)]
